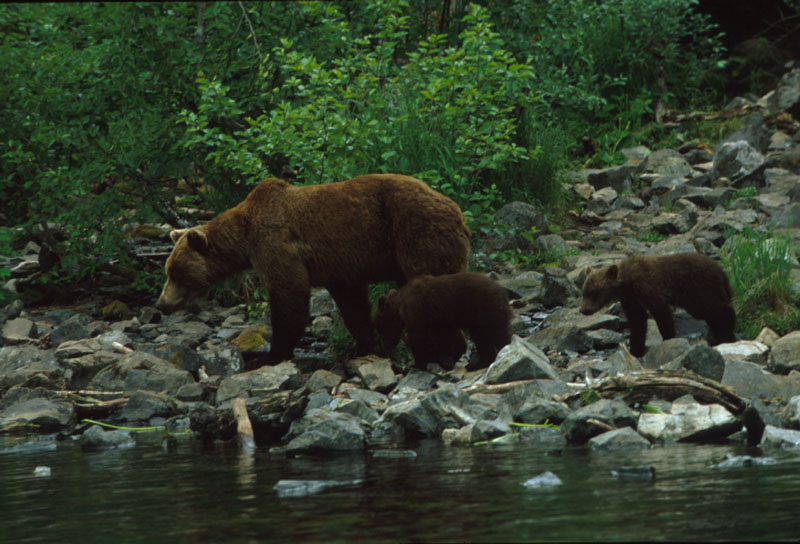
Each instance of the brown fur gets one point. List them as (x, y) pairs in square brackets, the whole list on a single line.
[(433, 309), (341, 236), (653, 284)]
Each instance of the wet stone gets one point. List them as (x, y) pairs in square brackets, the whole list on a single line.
[(619, 439)]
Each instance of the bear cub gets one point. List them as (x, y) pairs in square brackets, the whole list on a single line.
[(434, 309), (654, 284)]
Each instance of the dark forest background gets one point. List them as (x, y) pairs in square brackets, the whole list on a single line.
[(120, 115)]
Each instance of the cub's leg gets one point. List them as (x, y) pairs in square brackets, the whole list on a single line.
[(637, 322)]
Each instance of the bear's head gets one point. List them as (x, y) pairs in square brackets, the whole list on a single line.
[(188, 270), (600, 288), (388, 321)]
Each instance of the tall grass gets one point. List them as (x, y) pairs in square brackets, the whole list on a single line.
[(759, 267)]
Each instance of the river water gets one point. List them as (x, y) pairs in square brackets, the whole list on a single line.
[(195, 493)]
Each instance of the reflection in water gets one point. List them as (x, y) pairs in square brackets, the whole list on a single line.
[(219, 494)]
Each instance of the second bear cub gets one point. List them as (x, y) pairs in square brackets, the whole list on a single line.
[(654, 284), (433, 310)]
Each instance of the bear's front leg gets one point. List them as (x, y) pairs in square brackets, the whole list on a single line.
[(353, 304), (637, 323)]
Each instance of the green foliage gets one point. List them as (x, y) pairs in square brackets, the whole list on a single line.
[(759, 268), (109, 105), (653, 236), (6, 237)]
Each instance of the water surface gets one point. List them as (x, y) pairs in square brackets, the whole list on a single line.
[(196, 493)]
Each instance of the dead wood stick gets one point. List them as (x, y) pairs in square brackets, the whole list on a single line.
[(244, 429), (642, 386)]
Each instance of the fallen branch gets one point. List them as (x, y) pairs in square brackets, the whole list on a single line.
[(641, 387)]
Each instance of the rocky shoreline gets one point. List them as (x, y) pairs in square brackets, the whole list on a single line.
[(566, 378)]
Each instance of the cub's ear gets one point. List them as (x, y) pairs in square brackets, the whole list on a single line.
[(382, 302), (197, 240), (612, 272), (587, 271), (176, 234)]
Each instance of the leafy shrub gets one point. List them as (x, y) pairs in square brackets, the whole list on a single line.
[(759, 267)]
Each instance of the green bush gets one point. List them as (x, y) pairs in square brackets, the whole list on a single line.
[(759, 268)]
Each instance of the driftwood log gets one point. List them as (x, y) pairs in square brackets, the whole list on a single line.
[(641, 387)]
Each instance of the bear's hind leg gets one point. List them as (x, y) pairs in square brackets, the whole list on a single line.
[(663, 317), (722, 325), (353, 304)]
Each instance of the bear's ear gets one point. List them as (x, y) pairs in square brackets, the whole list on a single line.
[(587, 271), (176, 234), (197, 240), (382, 302), (612, 272)]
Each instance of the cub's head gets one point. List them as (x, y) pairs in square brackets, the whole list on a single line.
[(188, 273), (600, 288), (388, 321)]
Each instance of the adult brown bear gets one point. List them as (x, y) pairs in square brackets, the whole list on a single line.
[(653, 284), (341, 236), (433, 310)]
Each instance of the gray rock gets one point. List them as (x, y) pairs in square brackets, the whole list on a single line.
[(543, 480), (221, 360), (259, 382), (144, 405), (601, 200), (552, 243), (19, 329), (581, 425), (617, 177), (305, 488), (412, 417), (179, 355), (356, 408), (664, 352), (562, 338), (323, 379), (739, 461), (48, 415), (537, 410), (95, 438), (744, 350), (522, 217), (377, 375), (775, 437), (191, 392), (318, 399), (785, 354), (750, 380), (619, 439), (519, 361), (689, 421), (321, 303), (735, 160), (77, 348), (790, 415), (702, 360), (140, 371), (375, 400), (322, 431), (81, 370), (417, 379), (667, 162), (453, 408), (558, 288), (73, 328), (525, 285), (543, 436), (670, 223), (464, 436)]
